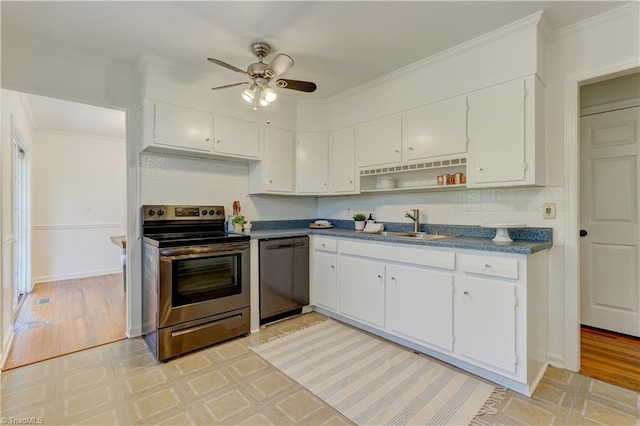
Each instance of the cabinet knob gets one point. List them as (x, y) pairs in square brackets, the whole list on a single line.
[(324, 183), (333, 267), (393, 278), (479, 169), (379, 276), (397, 151), (466, 292), (270, 181), (218, 141), (486, 265), (207, 139), (410, 148), (350, 181), (322, 245)]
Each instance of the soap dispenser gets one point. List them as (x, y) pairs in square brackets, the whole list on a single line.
[(371, 219)]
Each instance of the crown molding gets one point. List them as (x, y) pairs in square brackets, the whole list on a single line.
[(527, 22), (611, 15), (28, 109)]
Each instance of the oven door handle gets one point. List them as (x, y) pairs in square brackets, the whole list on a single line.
[(204, 251)]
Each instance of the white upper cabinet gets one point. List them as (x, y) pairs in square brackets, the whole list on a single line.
[(506, 125), (275, 173), (313, 163), (342, 166), (379, 141), (237, 138), (178, 128), (435, 130)]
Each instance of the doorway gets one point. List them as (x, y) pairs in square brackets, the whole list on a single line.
[(20, 200), (75, 201), (609, 233)]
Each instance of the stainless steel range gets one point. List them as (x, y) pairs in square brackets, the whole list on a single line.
[(195, 279)]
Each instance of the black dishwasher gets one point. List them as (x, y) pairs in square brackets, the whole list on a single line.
[(284, 277)]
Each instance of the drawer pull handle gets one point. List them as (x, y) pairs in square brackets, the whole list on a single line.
[(466, 292)]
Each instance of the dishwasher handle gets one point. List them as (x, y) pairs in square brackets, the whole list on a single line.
[(288, 245)]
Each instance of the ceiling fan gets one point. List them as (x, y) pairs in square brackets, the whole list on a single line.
[(261, 74)]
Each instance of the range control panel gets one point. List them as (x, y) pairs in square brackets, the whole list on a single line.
[(182, 213)]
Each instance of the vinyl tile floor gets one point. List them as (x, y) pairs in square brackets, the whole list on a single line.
[(121, 384)]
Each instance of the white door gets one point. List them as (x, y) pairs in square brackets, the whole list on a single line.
[(20, 218), (610, 298), (183, 127), (379, 141), (361, 289), (237, 137), (325, 280)]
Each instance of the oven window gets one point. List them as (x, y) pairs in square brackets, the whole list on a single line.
[(202, 279)]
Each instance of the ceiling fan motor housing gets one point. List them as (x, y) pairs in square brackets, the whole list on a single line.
[(260, 49)]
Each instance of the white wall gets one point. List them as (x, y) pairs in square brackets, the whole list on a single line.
[(596, 44), (168, 179), (78, 190), (603, 92), (12, 109)]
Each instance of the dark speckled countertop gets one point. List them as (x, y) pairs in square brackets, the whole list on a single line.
[(526, 240)]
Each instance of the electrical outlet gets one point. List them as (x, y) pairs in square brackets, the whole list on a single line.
[(549, 211), (348, 210)]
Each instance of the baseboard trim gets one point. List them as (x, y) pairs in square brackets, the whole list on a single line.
[(6, 349), (134, 332), (556, 361), (74, 275)]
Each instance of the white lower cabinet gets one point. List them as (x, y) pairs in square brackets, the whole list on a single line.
[(485, 312), (485, 321), (361, 289), (419, 305), (325, 280)]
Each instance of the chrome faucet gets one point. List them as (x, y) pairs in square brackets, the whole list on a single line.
[(415, 217)]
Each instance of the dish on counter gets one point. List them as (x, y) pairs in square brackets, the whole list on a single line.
[(320, 225)]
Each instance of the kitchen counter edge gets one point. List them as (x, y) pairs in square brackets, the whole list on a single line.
[(486, 244)]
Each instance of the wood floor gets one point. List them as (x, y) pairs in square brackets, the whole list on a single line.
[(62, 317), (610, 357)]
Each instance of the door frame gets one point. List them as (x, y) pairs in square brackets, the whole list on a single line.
[(572, 202)]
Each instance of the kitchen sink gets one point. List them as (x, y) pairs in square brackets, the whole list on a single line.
[(415, 235)]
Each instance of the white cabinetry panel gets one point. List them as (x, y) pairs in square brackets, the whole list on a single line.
[(178, 127), (485, 321), (379, 141), (362, 295), (342, 161), (237, 137), (325, 280), (420, 304), (436, 129), (313, 163)]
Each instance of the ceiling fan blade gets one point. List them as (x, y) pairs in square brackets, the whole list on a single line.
[(278, 65), (226, 65), (230, 85), (303, 86)]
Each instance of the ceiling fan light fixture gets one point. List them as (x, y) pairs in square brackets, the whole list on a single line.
[(249, 94), (270, 95)]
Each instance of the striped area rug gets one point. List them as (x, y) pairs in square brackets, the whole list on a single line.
[(374, 382)]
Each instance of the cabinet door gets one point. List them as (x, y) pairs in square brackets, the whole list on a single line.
[(361, 289), (325, 288), (485, 321), (420, 304), (435, 130), (278, 160), (180, 127), (379, 141), (237, 137), (313, 163), (497, 135), (342, 157)]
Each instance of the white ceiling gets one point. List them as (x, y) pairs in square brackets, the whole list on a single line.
[(337, 44)]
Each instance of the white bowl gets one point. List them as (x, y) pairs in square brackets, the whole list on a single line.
[(385, 182)]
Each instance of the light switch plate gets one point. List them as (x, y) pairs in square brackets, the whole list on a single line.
[(549, 211)]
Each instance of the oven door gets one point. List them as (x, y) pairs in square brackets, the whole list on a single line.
[(200, 281)]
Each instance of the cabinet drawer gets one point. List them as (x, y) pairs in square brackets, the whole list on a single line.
[(325, 244), (401, 253), (489, 265)]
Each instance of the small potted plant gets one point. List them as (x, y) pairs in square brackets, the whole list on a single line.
[(238, 221), (359, 218)]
